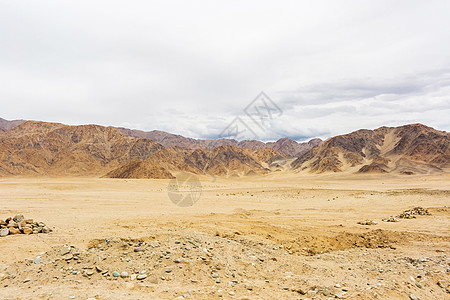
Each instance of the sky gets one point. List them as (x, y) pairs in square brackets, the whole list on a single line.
[(196, 68)]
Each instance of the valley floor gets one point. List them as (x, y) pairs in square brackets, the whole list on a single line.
[(278, 236)]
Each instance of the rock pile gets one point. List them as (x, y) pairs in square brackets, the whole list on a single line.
[(391, 219), (368, 222), (408, 214), (20, 225), (412, 213)]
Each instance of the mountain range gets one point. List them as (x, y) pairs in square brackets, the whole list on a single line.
[(54, 149)]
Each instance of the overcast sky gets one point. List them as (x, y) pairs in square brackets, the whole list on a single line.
[(192, 67)]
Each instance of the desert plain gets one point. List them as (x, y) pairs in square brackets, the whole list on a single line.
[(278, 236)]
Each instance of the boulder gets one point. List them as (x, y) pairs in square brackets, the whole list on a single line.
[(13, 230), (4, 232)]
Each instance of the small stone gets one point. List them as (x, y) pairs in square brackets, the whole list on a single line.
[(133, 277), (64, 251), (141, 276), (98, 269), (139, 249), (27, 230), (89, 272), (4, 232), (215, 275), (177, 261), (26, 280), (418, 285), (340, 295), (18, 218), (37, 260), (168, 271), (413, 297), (326, 293), (68, 257), (124, 274), (45, 229), (116, 274)]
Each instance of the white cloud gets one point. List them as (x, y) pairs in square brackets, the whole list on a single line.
[(192, 67)]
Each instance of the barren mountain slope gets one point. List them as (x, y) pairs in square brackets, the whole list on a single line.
[(406, 149), (284, 146), (8, 125), (40, 148), (222, 161)]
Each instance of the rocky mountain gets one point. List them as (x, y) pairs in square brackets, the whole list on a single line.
[(221, 161), (284, 146), (6, 125), (406, 149), (54, 149), (40, 148)]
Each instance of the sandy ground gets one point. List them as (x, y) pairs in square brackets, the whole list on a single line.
[(279, 236)]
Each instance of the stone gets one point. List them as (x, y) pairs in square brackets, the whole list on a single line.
[(215, 275), (13, 230), (27, 230), (116, 274), (12, 224), (26, 280), (441, 284), (139, 249), (326, 293), (141, 276), (18, 218), (168, 270), (413, 297), (45, 229), (98, 269), (64, 251), (133, 277), (4, 232), (68, 257), (89, 272), (37, 260), (124, 274)]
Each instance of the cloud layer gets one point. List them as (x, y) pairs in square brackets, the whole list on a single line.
[(192, 67)]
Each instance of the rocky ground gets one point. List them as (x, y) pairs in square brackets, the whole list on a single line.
[(285, 253)]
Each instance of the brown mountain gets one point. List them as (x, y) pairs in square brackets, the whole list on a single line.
[(407, 149), (285, 146), (221, 161), (6, 125), (40, 148)]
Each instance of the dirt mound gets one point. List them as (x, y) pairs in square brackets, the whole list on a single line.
[(373, 168)]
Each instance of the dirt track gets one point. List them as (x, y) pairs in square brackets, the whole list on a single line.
[(286, 236)]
